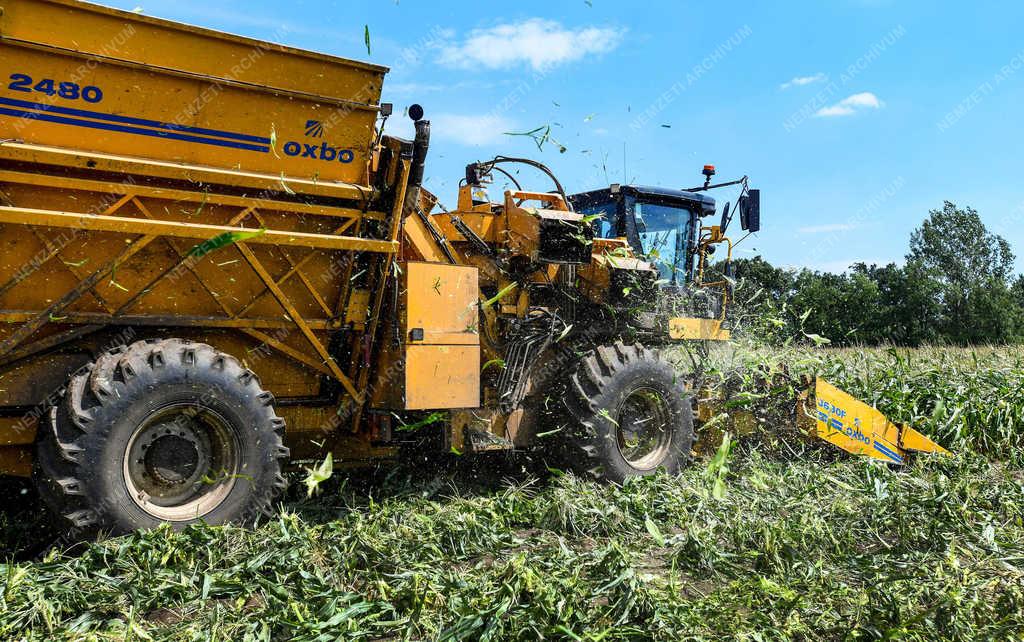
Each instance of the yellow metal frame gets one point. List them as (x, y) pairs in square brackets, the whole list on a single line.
[(174, 229), (713, 235), (154, 167), (385, 267), (20, 152), (181, 237)]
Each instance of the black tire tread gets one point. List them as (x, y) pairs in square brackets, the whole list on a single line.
[(60, 464), (594, 373)]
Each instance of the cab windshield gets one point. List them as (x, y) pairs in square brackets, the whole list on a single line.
[(602, 218), (664, 233)]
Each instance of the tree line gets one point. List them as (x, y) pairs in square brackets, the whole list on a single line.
[(957, 286)]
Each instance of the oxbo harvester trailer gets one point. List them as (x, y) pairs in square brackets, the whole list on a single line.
[(214, 264)]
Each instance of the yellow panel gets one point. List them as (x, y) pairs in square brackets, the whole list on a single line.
[(851, 425), (910, 439), (16, 462), (171, 93), (267, 185), (18, 431), (442, 300), (683, 328), (487, 226), (141, 39), (441, 377), (442, 370)]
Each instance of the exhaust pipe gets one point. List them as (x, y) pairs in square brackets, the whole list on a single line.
[(420, 146)]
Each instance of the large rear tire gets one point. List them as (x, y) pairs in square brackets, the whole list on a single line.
[(161, 431), (629, 415)]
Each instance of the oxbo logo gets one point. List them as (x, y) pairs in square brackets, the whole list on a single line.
[(853, 432), (323, 151)]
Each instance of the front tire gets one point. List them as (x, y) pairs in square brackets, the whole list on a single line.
[(629, 415), (161, 431)]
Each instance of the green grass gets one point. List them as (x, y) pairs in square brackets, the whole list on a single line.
[(804, 544)]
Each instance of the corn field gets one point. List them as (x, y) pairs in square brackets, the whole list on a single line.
[(773, 539)]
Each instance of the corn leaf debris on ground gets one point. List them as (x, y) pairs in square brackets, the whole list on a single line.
[(802, 544)]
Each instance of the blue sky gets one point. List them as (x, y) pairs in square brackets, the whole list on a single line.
[(854, 117)]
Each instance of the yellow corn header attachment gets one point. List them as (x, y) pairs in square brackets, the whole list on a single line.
[(857, 428), (819, 412)]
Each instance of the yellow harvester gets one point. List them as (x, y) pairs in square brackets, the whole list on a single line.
[(215, 263)]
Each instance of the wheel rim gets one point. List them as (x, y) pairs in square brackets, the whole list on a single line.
[(643, 429), (181, 462)]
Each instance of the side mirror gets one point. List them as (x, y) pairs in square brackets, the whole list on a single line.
[(726, 218), (750, 211)]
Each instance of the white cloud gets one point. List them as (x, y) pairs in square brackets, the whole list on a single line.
[(485, 129), (828, 227), (541, 44), (800, 81), (415, 89), (412, 88), (850, 105)]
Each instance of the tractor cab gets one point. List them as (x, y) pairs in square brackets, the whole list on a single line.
[(665, 226), (662, 225)]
